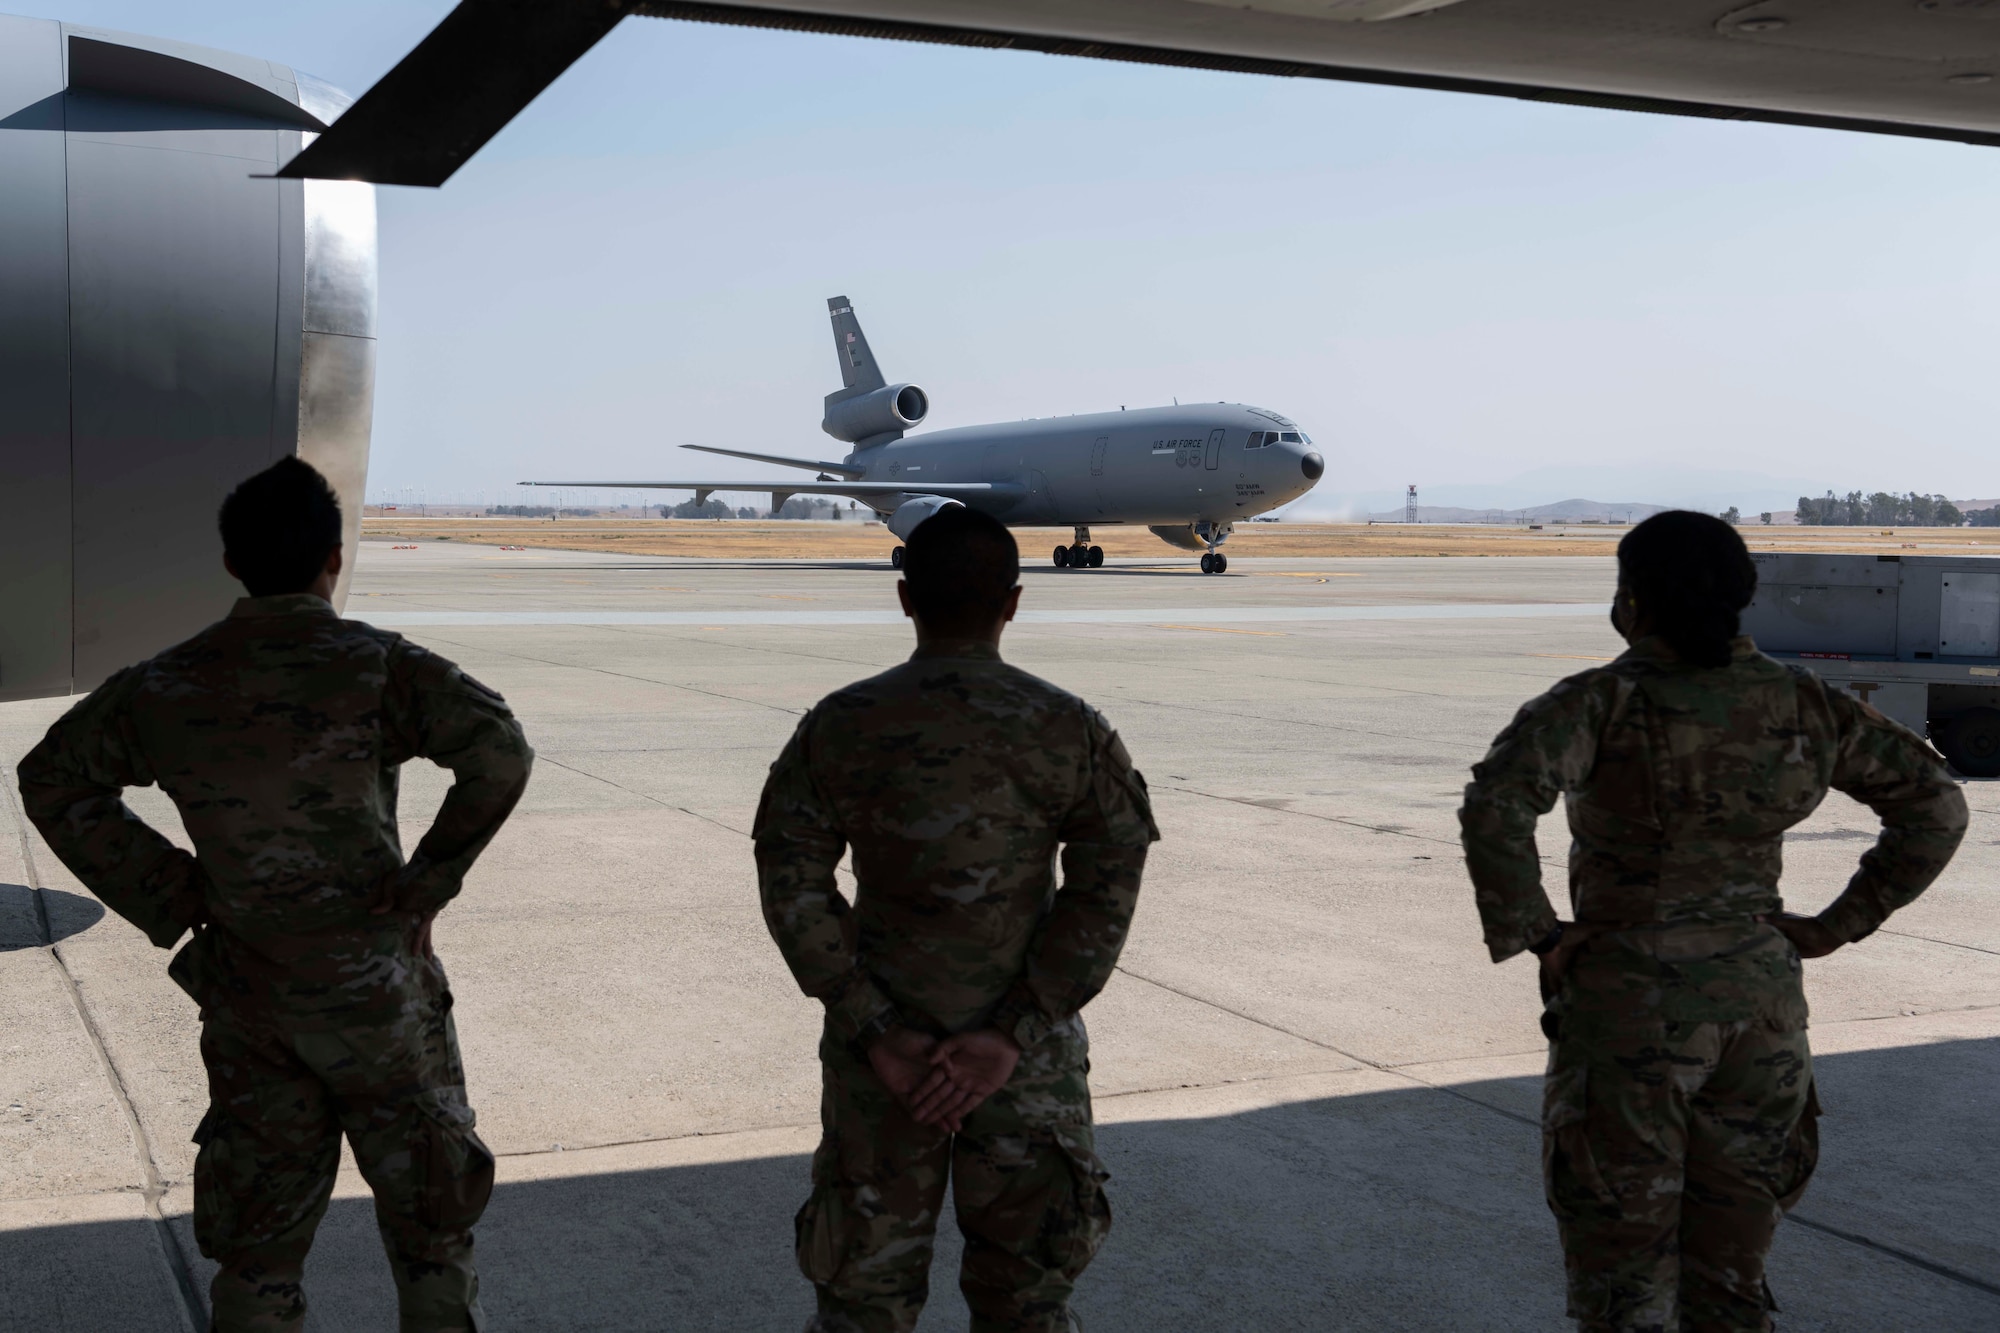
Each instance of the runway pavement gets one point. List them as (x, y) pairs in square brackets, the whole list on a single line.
[(1319, 1101)]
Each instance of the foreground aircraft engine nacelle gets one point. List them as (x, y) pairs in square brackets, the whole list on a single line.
[(889, 410), (169, 324), (912, 512)]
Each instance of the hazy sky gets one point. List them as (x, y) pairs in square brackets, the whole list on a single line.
[(1446, 290)]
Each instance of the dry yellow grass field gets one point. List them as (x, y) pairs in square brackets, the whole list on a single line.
[(750, 539)]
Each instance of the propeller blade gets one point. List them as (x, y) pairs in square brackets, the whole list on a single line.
[(459, 88)]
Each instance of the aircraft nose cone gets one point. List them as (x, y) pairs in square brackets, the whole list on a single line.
[(1312, 465)]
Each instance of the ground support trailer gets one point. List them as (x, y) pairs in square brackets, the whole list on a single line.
[(1918, 637)]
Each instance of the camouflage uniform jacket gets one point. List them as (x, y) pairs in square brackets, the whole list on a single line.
[(1680, 783), (954, 778), (278, 733)]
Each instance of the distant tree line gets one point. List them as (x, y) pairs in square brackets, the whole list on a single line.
[(1983, 518), (1883, 509), (810, 506), (543, 511), (709, 508)]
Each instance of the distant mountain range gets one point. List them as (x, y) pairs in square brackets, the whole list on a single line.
[(1562, 511)]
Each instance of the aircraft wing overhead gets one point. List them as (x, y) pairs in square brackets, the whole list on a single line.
[(461, 85), (1928, 68)]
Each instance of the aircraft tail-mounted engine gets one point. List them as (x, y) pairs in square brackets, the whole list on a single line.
[(884, 412), (912, 512)]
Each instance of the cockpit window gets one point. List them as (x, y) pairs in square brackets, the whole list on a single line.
[(1290, 437), (1259, 438)]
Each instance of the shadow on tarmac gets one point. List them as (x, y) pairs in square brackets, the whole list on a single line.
[(1412, 1209), (28, 923)]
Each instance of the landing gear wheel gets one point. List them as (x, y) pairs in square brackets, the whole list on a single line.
[(1221, 563), (1208, 564), (896, 558), (1971, 741), (1062, 557), (1096, 556)]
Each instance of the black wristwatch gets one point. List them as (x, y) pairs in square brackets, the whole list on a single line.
[(1548, 941)]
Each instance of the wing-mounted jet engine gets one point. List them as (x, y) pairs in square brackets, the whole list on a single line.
[(912, 512), (865, 411), (171, 320)]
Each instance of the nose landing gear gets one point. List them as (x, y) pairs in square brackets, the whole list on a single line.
[(1080, 554), (1215, 562), (896, 558)]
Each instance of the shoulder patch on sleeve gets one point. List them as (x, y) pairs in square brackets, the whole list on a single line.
[(480, 687)]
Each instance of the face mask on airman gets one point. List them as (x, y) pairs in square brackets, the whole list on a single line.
[(1621, 612)]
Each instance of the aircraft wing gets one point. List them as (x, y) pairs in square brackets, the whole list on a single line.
[(856, 490), (813, 465), (1929, 69)]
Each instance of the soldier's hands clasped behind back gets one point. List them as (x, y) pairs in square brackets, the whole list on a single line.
[(965, 1069), (953, 1054)]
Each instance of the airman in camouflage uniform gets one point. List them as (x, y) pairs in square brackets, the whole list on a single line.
[(1679, 1110), (278, 733), (954, 778)]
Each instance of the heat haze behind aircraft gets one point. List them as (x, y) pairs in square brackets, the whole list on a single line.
[(1187, 472)]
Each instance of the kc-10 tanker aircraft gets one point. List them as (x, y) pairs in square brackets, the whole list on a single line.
[(1188, 473)]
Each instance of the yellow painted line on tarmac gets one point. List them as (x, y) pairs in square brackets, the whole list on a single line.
[(1217, 629), (786, 597)]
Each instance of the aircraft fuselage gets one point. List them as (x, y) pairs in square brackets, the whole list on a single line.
[(1154, 466)]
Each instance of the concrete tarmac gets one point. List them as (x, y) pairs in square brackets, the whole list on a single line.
[(1319, 1101)]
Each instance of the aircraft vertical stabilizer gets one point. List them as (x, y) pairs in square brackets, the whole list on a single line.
[(858, 372)]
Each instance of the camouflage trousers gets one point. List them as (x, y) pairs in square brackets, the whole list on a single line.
[(1026, 1182), (279, 1102), (1669, 1159)]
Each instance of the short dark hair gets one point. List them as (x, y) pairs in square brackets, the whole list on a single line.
[(279, 527), (960, 565), (1691, 574)]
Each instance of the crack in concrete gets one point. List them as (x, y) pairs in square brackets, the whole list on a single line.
[(1931, 939), (1916, 1260), (1424, 837), (737, 645), (623, 675), (1398, 1071), (632, 791), (1300, 722), (192, 1308), (1330, 819), (1912, 1013)]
